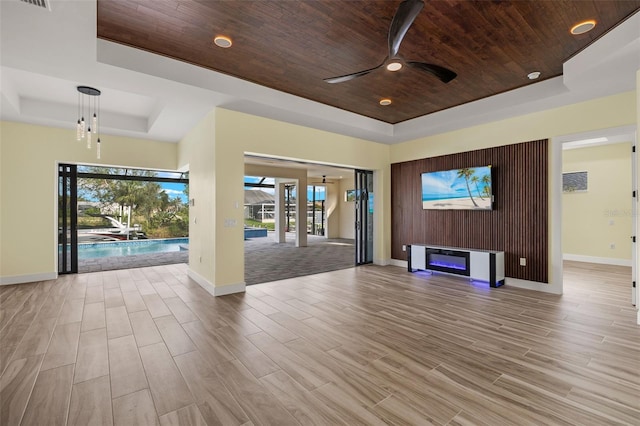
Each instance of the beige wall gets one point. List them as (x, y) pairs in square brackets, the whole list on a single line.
[(214, 154), (347, 210), (29, 157), (237, 134), (197, 152), (601, 216), (602, 113)]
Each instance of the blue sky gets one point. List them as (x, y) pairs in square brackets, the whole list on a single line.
[(174, 190)]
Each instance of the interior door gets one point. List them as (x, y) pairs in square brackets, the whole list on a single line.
[(364, 217), (67, 219)]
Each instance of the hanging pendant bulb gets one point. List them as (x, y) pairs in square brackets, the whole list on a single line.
[(84, 128)]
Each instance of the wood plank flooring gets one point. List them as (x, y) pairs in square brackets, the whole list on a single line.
[(368, 345)]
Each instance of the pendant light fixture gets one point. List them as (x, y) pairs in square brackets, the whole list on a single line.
[(88, 106)]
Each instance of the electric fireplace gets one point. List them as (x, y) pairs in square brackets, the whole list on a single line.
[(478, 265), (452, 261)]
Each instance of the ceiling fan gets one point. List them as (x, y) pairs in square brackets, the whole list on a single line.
[(402, 20), (325, 181)]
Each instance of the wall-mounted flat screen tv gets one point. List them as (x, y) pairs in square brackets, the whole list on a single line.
[(350, 195), (458, 189)]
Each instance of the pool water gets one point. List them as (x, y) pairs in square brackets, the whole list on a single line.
[(129, 248)]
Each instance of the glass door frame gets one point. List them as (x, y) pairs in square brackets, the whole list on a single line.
[(67, 219), (321, 231), (364, 217)]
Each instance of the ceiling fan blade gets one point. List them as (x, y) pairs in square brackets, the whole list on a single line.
[(348, 77), (445, 75), (402, 20)]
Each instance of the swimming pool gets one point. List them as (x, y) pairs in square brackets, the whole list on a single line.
[(128, 248)]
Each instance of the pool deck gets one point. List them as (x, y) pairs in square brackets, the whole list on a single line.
[(132, 261)]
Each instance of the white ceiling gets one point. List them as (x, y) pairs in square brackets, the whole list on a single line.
[(46, 54), (314, 170)]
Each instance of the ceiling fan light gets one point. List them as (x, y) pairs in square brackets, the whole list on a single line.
[(583, 27), (222, 41), (385, 102), (394, 66)]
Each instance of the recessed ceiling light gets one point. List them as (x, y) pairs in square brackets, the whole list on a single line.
[(222, 41), (385, 102), (583, 27), (394, 66), (533, 75)]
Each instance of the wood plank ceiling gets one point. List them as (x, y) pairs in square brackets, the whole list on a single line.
[(291, 46)]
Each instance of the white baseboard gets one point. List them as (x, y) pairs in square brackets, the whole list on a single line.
[(532, 285), (397, 262), (230, 289), (595, 259), (201, 281), (22, 279), (213, 290)]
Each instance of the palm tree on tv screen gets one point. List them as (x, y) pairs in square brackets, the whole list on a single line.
[(486, 180), (467, 174), (475, 180)]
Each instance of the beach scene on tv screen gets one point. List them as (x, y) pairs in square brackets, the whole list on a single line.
[(468, 188)]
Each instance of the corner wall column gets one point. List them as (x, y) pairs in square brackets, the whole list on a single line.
[(301, 212), (281, 222)]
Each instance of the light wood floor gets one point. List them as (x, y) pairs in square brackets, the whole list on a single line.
[(368, 345)]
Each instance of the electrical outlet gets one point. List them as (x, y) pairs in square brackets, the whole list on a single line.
[(404, 248), (523, 261), (612, 246)]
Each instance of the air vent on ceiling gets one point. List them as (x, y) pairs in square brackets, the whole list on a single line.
[(45, 4)]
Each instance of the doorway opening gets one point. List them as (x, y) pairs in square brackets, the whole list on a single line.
[(297, 241), (117, 218), (598, 200), (260, 205)]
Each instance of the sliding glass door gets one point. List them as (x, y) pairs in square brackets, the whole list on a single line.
[(364, 217), (67, 219)]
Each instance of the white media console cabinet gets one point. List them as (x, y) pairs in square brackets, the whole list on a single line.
[(481, 265)]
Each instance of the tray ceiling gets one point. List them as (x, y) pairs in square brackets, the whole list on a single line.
[(291, 46)]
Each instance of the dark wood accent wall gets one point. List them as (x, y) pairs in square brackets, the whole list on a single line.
[(517, 225)]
